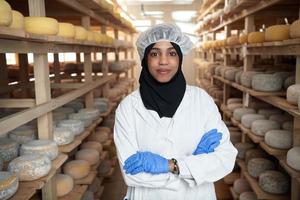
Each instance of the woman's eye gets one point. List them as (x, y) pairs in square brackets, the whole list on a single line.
[(172, 53), (153, 54)]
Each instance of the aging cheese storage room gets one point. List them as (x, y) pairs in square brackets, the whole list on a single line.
[(149, 99)]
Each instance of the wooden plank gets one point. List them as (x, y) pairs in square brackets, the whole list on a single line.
[(3, 71), (292, 172), (69, 147), (27, 189), (88, 130), (66, 85), (104, 155), (86, 180), (273, 151), (56, 67), (59, 161), (209, 9), (17, 103), (241, 164), (76, 193)]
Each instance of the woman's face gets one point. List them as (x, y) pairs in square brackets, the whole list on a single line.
[(163, 61)]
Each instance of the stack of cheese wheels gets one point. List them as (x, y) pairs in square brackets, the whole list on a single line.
[(40, 147), (17, 20), (243, 39), (246, 78), (80, 33), (86, 119), (23, 135), (64, 184), (248, 196), (76, 126), (266, 82), (248, 119), (41, 25), (92, 112), (30, 167), (255, 153), (62, 136), (260, 127), (90, 155), (295, 29), (256, 166), (8, 149), (281, 139), (239, 112), (277, 33), (274, 182), (5, 13), (66, 30), (256, 37), (293, 158), (268, 111), (289, 126), (92, 145), (241, 185), (292, 94), (242, 148), (9, 183), (77, 169)]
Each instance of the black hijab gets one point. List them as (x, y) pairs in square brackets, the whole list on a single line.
[(164, 98)]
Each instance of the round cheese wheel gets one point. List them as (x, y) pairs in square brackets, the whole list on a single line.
[(66, 30), (277, 33), (269, 111), (57, 115), (289, 126), (5, 13), (243, 39), (77, 169), (289, 81), (41, 25), (230, 178), (17, 20), (9, 184), (104, 168), (23, 135), (99, 136), (92, 145), (230, 74), (237, 77), (104, 129), (101, 106), (30, 167), (256, 166), (76, 126), (239, 112), (86, 119), (295, 29), (90, 36), (64, 184), (90, 155), (75, 105), (232, 40), (92, 112), (234, 100), (247, 196), (280, 118), (8, 149), (256, 37), (283, 75), (40, 147), (246, 78), (281, 139), (234, 106), (248, 119), (62, 136), (292, 94), (274, 182), (266, 83), (255, 153), (80, 33), (241, 185), (260, 127), (242, 148), (235, 137), (293, 158)]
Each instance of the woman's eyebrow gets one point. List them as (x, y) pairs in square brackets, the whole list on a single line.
[(155, 48)]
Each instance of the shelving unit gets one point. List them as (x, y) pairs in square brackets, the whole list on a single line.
[(250, 16)]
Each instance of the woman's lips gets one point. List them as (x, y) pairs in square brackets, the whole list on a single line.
[(163, 71)]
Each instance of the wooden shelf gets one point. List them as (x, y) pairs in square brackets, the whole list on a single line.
[(235, 122), (292, 172), (273, 151), (255, 138), (86, 180), (69, 147), (260, 193), (235, 196), (59, 161), (227, 112), (76, 193), (241, 164), (27, 189)]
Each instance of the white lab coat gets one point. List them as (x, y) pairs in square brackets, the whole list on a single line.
[(139, 129)]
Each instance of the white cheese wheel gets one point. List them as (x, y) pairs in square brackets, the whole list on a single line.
[(281, 139), (76, 126), (292, 94), (289, 81), (256, 37), (243, 39), (66, 30), (30, 167), (5, 13), (256, 166), (92, 145), (246, 78), (230, 74), (41, 25), (64, 184), (17, 20), (255, 153), (9, 184), (8, 149), (57, 115), (280, 118), (247, 196), (266, 83), (80, 33), (289, 126), (248, 119), (269, 111), (86, 119), (99, 136), (274, 182), (234, 106), (241, 185), (90, 155), (92, 112), (242, 148), (235, 137), (66, 110), (62, 136), (239, 112), (277, 33), (75, 105), (77, 169), (234, 100), (23, 135), (283, 75), (40, 147), (295, 29), (260, 127), (237, 77), (293, 158), (101, 105)]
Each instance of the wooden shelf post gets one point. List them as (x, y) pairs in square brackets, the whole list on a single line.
[(3, 72), (104, 67)]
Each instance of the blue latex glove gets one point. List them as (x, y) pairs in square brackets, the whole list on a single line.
[(146, 162), (209, 142)]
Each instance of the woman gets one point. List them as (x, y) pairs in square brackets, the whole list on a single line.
[(170, 139)]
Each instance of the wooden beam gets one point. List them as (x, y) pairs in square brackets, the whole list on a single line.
[(37, 8), (24, 79), (89, 97), (56, 67), (116, 34), (66, 85), (17, 103), (3, 71), (227, 30)]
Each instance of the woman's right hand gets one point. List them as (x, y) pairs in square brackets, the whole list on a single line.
[(208, 142)]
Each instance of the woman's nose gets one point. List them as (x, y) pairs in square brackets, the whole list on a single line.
[(163, 60)]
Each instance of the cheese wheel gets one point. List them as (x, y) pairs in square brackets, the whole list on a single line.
[(86, 119), (101, 106), (90, 36), (64, 184), (274, 182), (260, 127), (237, 77), (99, 136), (9, 184), (280, 118), (295, 29), (230, 74), (233, 106), (247, 196), (92, 112), (241, 185), (256, 37), (234, 100), (242, 148), (281, 139), (277, 33), (57, 115), (77, 169), (92, 145), (266, 83), (232, 40), (246, 78), (40, 147), (75, 105), (41, 25), (66, 110), (23, 135), (30, 167), (17, 20), (255, 153), (230, 178), (243, 39), (90, 155), (292, 94), (239, 112), (289, 81), (269, 111), (293, 158), (256, 166), (62, 136), (76, 126), (5, 13), (80, 33), (248, 119), (66, 30), (289, 125), (8, 149), (284, 75)]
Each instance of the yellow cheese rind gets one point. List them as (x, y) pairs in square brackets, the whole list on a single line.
[(66, 30), (295, 29), (17, 20), (64, 184), (80, 33), (256, 37), (41, 25), (277, 33), (5, 13)]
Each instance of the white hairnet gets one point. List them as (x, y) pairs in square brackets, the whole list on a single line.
[(169, 32)]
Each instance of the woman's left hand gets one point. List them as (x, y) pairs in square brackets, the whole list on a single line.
[(146, 162)]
